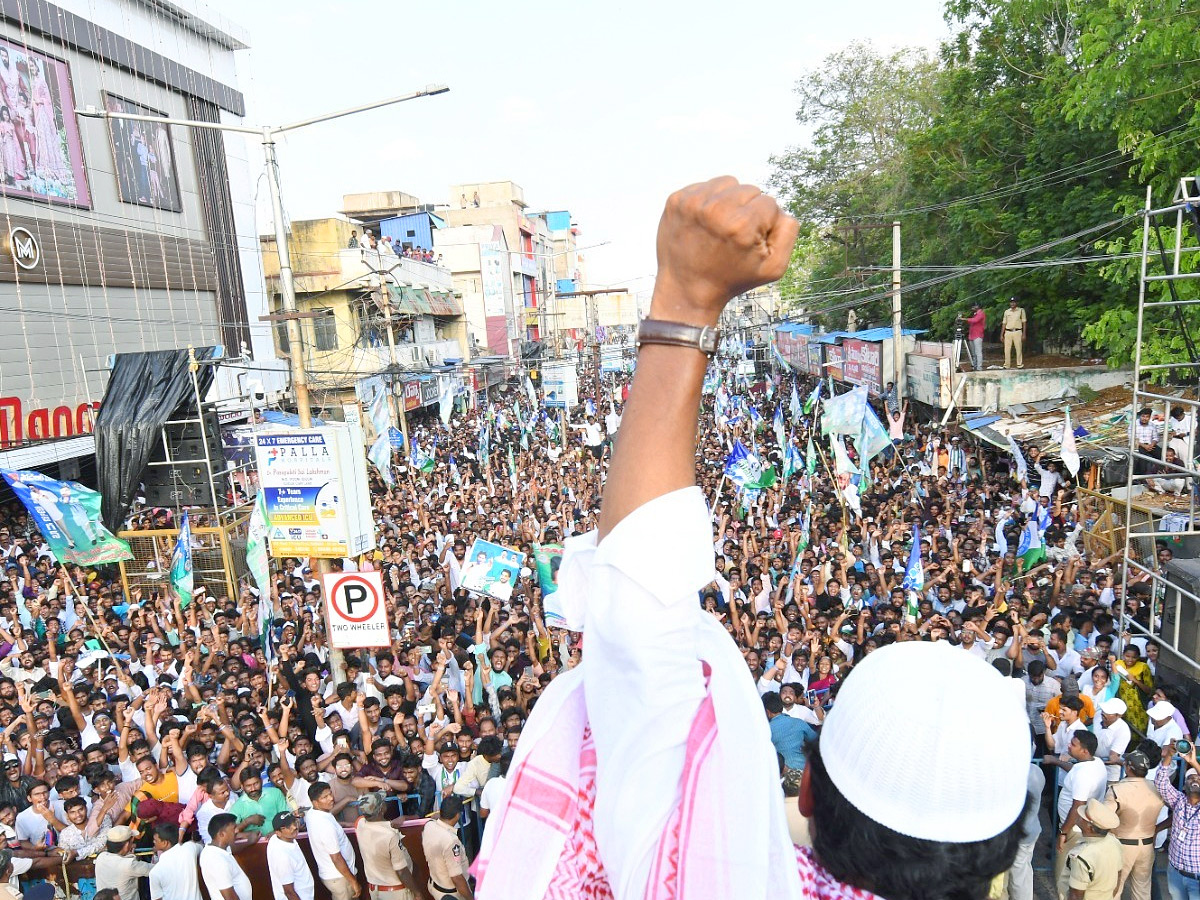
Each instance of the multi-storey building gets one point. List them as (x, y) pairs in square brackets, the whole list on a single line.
[(352, 294), (117, 235)]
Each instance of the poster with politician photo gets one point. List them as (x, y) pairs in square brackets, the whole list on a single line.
[(491, 569), (143, 156), (40, 153)]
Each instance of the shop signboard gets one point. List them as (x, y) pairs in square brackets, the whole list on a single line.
[(412, 395), (815, 359), (862, 364), (560, 386), (314, 484), (429, 392), (834, 361)]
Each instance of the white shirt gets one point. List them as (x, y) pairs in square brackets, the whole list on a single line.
[(288, 865), (653, 669), (1113, 739), (1062, 737), (803, 713), (31, 826), (221, 871), (1067, 663), (1169, 732), (1049, 481), (494, 796), (372, 691), (592, 435), (299, 790), (325, 838), (187, 785), (1085, 781), (207, 810), (174, 876)]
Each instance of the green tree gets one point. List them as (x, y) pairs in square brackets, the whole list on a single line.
[(1139, 78), (861, 106), (1002, 172)]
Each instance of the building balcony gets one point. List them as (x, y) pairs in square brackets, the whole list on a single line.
[(352, 268)]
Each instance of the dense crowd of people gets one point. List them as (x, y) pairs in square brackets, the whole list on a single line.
[(156, 740)]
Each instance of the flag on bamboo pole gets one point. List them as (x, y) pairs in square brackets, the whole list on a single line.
[(844, 414), (183, 580), (1030, 550), (421, 460), (914, 576), (380, 456), (256, 561), (811, 401), (1069, 452), (793, 462)]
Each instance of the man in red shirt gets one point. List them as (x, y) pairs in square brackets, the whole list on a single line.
[(976, 322)]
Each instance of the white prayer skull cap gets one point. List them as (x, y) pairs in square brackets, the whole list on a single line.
[(930, 742)]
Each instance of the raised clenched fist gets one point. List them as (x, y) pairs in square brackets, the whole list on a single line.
[(716, 240)]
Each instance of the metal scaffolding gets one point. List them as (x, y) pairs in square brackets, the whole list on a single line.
[(1160, 386)]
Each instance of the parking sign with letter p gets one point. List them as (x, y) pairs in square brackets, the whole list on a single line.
[(355, 610)]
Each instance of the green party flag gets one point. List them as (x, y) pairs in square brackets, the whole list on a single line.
[(183, 579), (765, 480)]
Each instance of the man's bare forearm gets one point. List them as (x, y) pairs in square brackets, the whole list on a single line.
[(715, 240), (657, 450)]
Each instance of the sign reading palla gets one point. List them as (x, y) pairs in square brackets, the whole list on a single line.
[(355, 610)]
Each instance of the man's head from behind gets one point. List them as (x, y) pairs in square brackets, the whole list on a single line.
[(928, 818), (451, 808)]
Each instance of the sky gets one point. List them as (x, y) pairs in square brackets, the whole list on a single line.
[(603, 110)]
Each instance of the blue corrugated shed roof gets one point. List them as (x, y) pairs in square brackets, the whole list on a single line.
[(829, 337), (878, 334), (980, 420), (275, 417)]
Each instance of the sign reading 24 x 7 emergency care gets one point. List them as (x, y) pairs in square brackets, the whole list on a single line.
[(300, 474), (355, 610)]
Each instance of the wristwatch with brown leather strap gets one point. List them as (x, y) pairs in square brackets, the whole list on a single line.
[(677, 334)]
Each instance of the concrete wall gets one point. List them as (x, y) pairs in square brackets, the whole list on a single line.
[(995, 389)]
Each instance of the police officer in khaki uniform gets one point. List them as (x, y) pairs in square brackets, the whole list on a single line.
[(1138, 806), (1094, 864), (445, 854), (1013, 332)]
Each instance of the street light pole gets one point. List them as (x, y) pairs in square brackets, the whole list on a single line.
[(287, 286)]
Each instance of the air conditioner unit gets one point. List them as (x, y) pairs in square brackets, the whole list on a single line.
[(410, 355)]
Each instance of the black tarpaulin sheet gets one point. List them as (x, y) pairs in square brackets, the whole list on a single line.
[(144, 391)]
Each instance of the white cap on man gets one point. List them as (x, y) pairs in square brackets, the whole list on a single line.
[(1113, 706), (922, 785), (1161, 711)]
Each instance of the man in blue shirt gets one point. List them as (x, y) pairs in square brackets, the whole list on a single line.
[(789, 735)]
